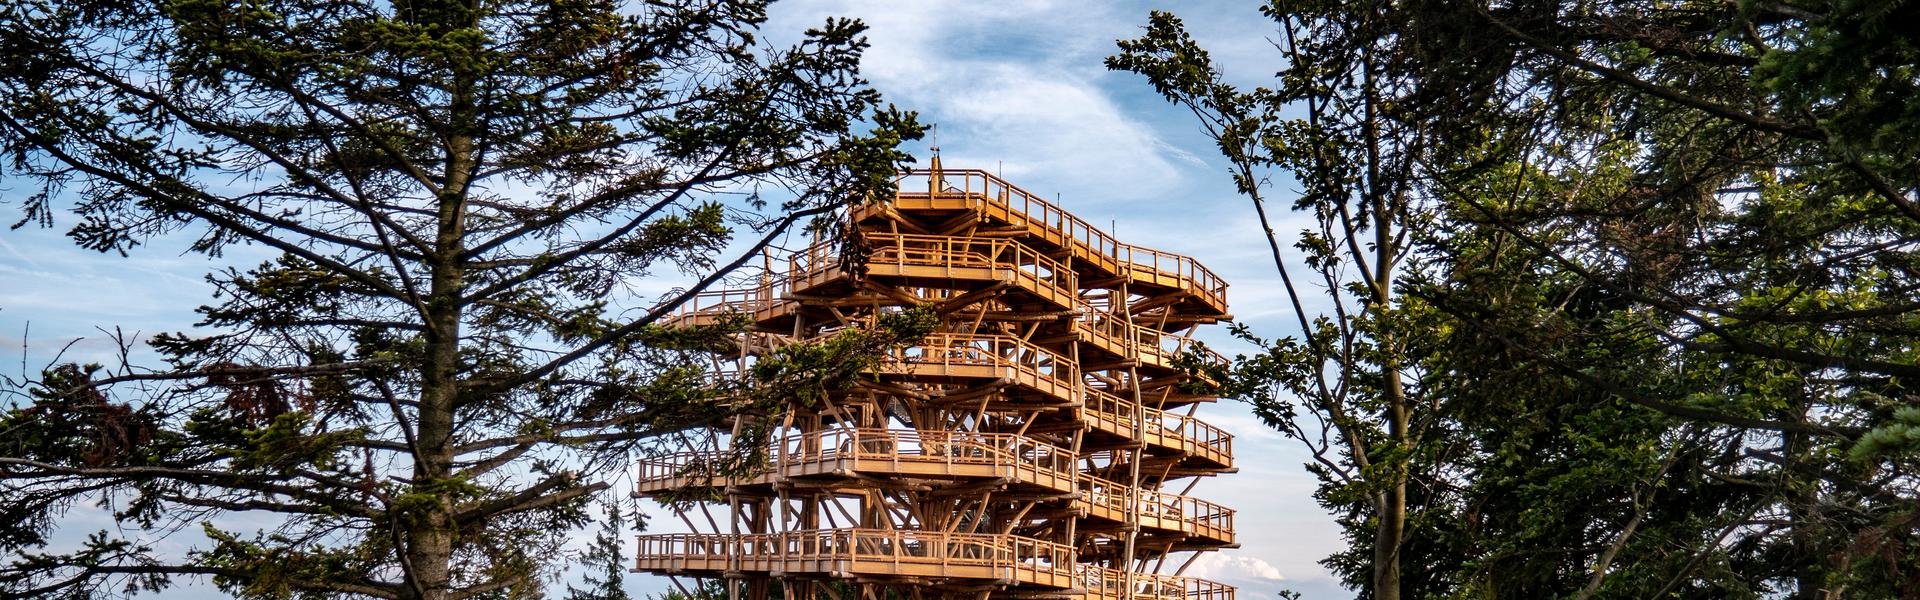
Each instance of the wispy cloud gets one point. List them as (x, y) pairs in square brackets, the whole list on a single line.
[(1224, 566), (1014, 84)]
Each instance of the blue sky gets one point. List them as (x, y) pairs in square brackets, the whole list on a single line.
[(1015, 87)]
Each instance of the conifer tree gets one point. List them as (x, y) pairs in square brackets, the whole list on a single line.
[(605, 561), (1655, 297), (472, 210)]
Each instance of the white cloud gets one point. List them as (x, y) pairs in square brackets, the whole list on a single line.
[(1221, 566), (1014, 84)]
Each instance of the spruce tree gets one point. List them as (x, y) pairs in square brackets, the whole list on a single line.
[(472, 210), (605, 562)]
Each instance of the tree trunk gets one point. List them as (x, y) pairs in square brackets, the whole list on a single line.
[(1392, 513), (429, 554)]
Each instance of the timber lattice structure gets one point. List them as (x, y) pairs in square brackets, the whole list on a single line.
[(1030, 448)]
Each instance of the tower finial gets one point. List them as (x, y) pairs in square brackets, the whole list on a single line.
[(934, 132)]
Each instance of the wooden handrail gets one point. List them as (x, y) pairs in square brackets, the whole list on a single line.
[(985, 187), (1190, 430), (1200, 516), (879, 445), (1021, 454), (1144, 341), (1107, 583), (1045, 275), (946, 351), (1010, 554), (1001, 351), (1042, 273)]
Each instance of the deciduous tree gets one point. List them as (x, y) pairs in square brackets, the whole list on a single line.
[(1352, 386)]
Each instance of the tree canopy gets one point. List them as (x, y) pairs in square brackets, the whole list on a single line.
[(1656, 288), (477, 210)]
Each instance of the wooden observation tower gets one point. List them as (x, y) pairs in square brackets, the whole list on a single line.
[(1039, 444)]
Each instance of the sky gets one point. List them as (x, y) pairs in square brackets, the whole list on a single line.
[(1017, 88)]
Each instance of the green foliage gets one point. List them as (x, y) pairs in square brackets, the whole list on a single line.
[(605, 561), (448, 350), (807, 374), (797, 377), (1896, 440), (1655, 298)]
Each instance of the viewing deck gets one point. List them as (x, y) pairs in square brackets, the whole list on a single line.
[(985, 261), (1207, 446), (1202, 524), (1087, 249), (843, 453), (1009, 559), (1038, 378), (948, 357), (838, 458), (1023, 564)]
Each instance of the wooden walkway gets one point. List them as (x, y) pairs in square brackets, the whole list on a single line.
[(1023, 563), (1088, 248), (1013, 559), (842, 458)]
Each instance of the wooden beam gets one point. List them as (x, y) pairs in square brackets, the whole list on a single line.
[(1111, 365), (1015, 316), (984, 485), (962, 301), (892, 292), (956, 224), (1154, 302), (892, 388)]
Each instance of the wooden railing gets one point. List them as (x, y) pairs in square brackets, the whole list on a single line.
[(1192, 515), (906, 255), (1201, 282), (1147, 343), (1039, 274), (1023, 208), (1115, 414), (915, 452), (1041, 369), (1006, 355), (865, 551), (881, 450), (1110, 584), (943, 254)]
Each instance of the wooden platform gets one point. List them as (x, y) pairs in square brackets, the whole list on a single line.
[(989, 199), (845, 461), (1019, 564)]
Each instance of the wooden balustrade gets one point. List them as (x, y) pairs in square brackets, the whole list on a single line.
[(905, 552), (1008, 357), (1114, 415), (1159, 510), (1154, 347), (994, 356), (1108, 584), (1039, 275), (938, 453), (968, 258), (1093, 246), (889, 451), (881, 552)]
